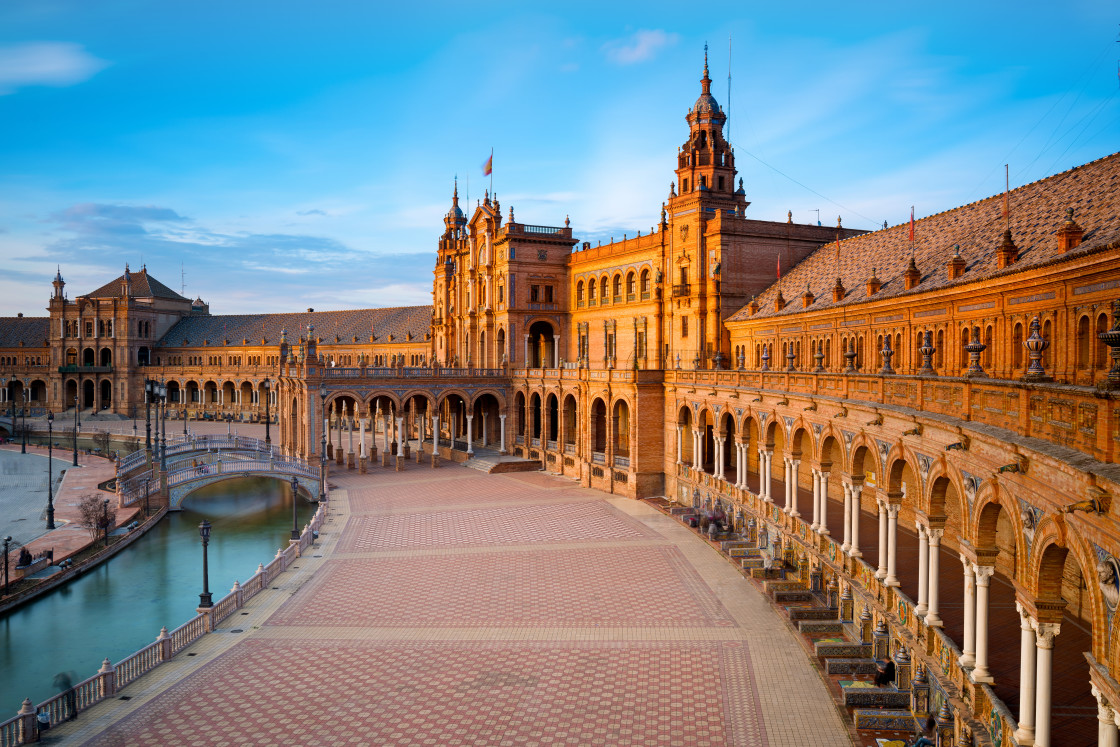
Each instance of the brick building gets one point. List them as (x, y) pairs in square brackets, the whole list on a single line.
[(896, 404)]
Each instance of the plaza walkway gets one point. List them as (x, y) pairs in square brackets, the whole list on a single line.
[(450, 607)]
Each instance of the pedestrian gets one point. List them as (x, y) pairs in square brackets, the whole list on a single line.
[(885, 672), (927, 737), (65, 684)]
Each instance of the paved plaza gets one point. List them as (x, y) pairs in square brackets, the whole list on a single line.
[(451, 607)]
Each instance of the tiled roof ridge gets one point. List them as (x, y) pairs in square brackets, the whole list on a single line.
[(1101, 236)]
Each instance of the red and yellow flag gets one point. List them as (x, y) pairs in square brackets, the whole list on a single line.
[(488, 167)]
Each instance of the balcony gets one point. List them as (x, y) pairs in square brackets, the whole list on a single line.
[(85, 369), (681, 289)]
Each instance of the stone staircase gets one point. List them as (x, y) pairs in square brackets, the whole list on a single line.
[(492, 462)]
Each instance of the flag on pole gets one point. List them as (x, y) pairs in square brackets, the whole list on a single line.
[(488, 167), (911, 224)]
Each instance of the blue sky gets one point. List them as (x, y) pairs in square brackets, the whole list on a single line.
[(285, 155)]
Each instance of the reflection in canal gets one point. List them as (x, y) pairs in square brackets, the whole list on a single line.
[(119, 606)]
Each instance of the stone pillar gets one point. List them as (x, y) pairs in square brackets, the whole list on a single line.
[(1025, 733), (680, 443), (1106, 720), (526, 362), (933, 618), (816, 500), (785, 483), (823, 528), (857, 495), (697, 452), (1044, 645), (502, 417), (892, 544), (847, 546), (400, 436), (881, 572), (968, 648), (556, 351), (470, 434), (485, 434), (794, 464), (923, 571), (983, 580), (763, 476)]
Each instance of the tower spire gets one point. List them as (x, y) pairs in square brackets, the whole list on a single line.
[(706, 82)]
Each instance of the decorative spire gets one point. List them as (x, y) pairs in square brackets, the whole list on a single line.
[(706, 82)]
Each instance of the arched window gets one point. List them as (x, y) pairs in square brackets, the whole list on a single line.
[(591, 293), (645, 285), (1084, 344), (630, 287), (617, 289), (940, 356), (603, 289), (1017, 346), (579, 294), (1101, 349)]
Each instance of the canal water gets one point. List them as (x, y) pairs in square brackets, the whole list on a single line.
[(119, 606)]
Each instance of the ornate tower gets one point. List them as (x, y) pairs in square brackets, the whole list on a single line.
[(706, 163), (452, 248), (59, 284)]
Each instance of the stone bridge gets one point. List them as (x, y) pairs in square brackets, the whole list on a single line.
[(198, 461)]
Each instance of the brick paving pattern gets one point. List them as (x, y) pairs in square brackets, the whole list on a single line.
[(499, 610), (625, 586)]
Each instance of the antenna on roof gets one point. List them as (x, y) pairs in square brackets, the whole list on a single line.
[(182, 279), (729, 88), (818, 212)]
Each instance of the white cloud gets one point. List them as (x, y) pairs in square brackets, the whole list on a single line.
[(46, 64), (641, 46)]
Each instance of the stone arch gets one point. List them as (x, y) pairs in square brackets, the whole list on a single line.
[(996, 526), (800, 442), (685, 426), (946, 498), (831, 453), (598, 425), (620, 426), (864, 459), (536, 415), (901, 471)]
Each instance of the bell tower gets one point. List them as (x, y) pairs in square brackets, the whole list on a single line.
[(706, 163)]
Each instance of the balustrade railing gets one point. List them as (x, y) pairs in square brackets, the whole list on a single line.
[(111, 679)]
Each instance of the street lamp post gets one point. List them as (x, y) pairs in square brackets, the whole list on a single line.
[(76, 426), (184, 416), (163, 427), (7, 543), (105, 519), (148, 412), (267, 419), (204, 599), (323, 447), (147, 486), (295, 494), (26, 402), (50, 470)]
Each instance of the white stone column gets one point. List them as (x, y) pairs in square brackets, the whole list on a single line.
[(1025, 733), (763, 477), (983, 580), (502, 417), (350, 435), (1106, 720), (847, 545), (470, 433), (556, 351), (933, 617), (361, 438), (785, 484), (680, 443), (717, 456), (823, 528), (526, 362), (857, 497), (968, 648), (385, 424), (435, 433), (923, 571), (817, 500), (741, 464), (881, 571), (892, 544), (485, 432), (794, 464), (1044, 646), (767, 478), (697, 451), (400, 437)]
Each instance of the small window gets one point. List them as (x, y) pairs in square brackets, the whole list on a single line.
[(548, 294), (501, 294), (684, 326), (685, 186), (534, 293), (721, 184)]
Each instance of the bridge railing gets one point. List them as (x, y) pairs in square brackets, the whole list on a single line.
[(180, 444), (233, 463), (23, 728)]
